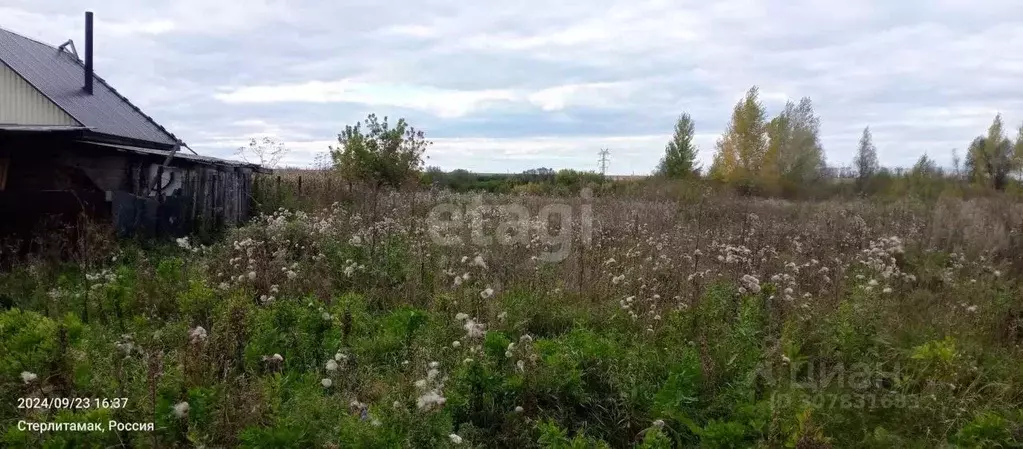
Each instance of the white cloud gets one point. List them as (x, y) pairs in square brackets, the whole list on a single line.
[(410, 30), (587, 95), (150, 27), (444, 103)]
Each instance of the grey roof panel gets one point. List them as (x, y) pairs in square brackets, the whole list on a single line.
[(60, 76), (41, 128)]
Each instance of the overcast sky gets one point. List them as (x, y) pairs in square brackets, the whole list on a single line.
[(507, 86)]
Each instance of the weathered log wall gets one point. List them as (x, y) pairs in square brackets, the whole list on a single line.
[(134, 189), (202, 195)]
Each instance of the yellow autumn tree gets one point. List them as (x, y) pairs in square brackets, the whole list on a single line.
[(742, 148)]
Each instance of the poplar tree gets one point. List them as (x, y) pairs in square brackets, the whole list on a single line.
[(991, 158), (794, 153), (679, 159), (866, 159)]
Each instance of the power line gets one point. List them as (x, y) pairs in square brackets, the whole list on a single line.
[(603, 162)]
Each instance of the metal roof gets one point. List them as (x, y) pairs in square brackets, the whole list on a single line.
[(59, 76), (41, 128)]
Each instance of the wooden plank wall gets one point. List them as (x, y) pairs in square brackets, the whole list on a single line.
[(216, 195)]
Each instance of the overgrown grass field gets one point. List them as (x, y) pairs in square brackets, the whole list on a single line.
[(713, 322)]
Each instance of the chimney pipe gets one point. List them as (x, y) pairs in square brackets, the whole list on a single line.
[(88, 52)]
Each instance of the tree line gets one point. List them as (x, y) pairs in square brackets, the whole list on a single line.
[(784, 153)]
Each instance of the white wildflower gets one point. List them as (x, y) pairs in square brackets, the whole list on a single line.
[(181, 409), (474, 329), (326, 382), (659, 423), (198, 335), (487, 293), (252, 275), (455, 439), (28, 377), (751, 283), (430, 399), (331, 365), (183, 243), (456, 344), (461, 316)]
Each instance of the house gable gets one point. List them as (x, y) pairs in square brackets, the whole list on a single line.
[(23, 104), (59, 76)]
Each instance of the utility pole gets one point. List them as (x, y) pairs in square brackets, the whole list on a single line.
[(603, 162)]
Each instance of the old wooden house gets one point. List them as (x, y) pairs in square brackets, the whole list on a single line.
[(72, 146)]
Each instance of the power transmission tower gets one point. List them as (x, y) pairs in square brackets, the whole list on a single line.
[(603, 162)]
